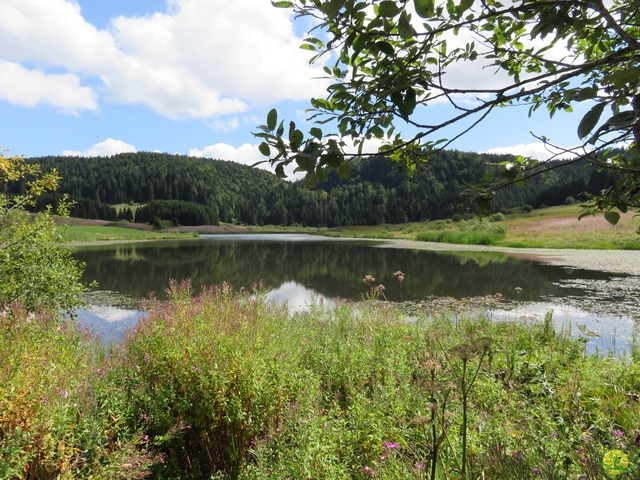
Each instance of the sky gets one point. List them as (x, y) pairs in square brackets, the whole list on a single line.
[(192, 77)]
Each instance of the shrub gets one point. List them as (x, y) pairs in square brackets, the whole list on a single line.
[(51, 425), (526, 208), (203, 378), (36, 269)]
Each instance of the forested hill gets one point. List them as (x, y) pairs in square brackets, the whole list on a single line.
[(190, 191)]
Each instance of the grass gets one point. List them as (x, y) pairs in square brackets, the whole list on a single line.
[(224, 386), (559, 227), (553, 227), (88, 234), (486, 237)]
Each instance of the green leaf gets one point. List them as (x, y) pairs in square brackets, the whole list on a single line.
[(425, 8), (311, 181), (464, 6), (612, 217), (385, 47), (344, 171), (295, 139), (405, 29), (622, 78), (623, 119), (316, 132), (408, 104), (388, 9), (332, 7), (282, 4), (376, 131), (306, 164), (272, 119), (590, 120), (264, 149)]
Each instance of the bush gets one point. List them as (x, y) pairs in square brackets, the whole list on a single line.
[(51, 423), (497, 217), (36, 269), (526, 208)]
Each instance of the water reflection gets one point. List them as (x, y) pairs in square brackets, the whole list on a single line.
[(332, 268), (296, 297), (300, 270)]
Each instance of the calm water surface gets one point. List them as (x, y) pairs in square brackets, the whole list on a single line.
[(301, 269)]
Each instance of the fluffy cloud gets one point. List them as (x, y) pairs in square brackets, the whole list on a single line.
[(246, 154), (199, 59), (536, 150), (103, 149), (33, 87)]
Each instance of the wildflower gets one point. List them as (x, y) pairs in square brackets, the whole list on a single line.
[(536, 471), (368, 279), (391, 445), (370, 471), (618, 433)]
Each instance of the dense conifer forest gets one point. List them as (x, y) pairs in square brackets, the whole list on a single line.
[(183, 190)]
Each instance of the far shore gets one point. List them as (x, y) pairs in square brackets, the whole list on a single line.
[(614, 261)]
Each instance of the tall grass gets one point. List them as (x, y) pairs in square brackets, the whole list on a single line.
[(471, 232), (224, 386), (51, 425)]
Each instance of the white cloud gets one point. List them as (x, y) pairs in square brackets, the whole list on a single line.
[(107, 148), (536, 150), (224, 126), (33, 87), (246, 154), (199, 59)]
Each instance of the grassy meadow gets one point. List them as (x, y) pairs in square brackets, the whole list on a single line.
[(225, 386), (551, 227), (75, 234)]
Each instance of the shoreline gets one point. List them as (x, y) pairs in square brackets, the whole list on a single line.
[(613, 261)]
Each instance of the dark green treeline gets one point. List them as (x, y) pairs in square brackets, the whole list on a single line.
[(190, 191)]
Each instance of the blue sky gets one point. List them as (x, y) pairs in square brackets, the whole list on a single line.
[(194, 77)]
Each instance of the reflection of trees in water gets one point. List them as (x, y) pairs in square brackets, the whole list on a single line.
[(334, 269)]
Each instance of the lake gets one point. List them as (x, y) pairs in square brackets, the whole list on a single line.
[(300, 269)]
